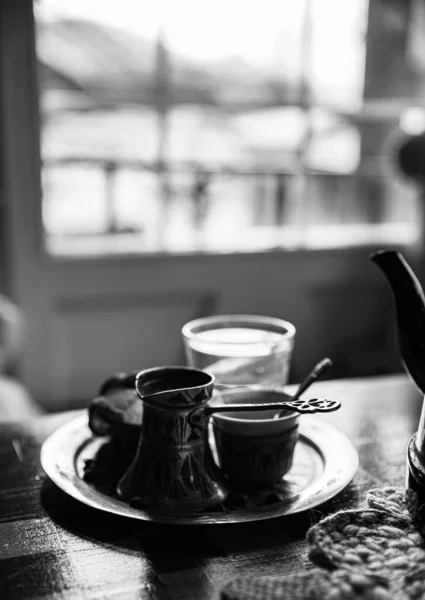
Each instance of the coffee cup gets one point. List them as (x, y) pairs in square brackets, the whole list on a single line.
[(254, 449)]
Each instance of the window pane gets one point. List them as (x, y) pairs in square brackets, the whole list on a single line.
[(169, 127), (337, 52)]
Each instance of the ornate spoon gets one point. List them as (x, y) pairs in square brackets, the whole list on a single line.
[(301, 406)]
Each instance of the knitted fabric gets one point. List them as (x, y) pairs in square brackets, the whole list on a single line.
[(374, 553)]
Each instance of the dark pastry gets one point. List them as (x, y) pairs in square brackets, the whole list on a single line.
[(116, 412)]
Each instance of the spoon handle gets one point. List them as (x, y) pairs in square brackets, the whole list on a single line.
[(313, 376), (301, 406)]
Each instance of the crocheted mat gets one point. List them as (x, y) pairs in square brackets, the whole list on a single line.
[(374, 553)]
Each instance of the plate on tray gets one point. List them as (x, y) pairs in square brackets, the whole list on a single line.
[(325, 461)]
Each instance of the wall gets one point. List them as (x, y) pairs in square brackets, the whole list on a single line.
[(127, 314)]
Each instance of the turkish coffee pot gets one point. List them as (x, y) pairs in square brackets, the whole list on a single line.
[(410, 314)]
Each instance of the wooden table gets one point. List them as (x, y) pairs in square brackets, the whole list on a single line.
[(51, 546)]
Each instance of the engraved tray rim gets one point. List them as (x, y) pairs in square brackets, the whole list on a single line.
[(60, 452)]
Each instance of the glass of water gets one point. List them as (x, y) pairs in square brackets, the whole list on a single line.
[(241, 350)]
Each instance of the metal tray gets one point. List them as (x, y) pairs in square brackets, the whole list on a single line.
[(325, 462)]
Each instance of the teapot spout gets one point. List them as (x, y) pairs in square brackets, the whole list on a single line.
[(410, 312), (399, 275)]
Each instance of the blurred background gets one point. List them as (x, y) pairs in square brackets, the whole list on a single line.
[(169, 160)]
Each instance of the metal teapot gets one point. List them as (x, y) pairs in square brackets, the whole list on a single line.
[(410, 309)]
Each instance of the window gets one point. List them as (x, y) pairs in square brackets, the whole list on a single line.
[(220, 127)]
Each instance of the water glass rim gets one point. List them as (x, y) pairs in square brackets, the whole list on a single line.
[(191, 329)]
